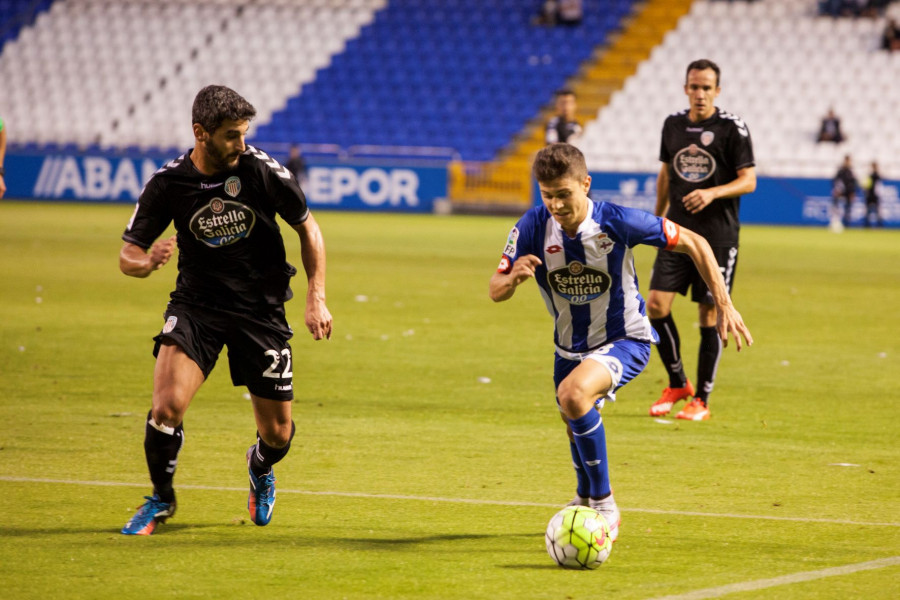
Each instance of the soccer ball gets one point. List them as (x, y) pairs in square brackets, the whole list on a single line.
[(578, 538)]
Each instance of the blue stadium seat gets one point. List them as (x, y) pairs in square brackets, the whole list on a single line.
[(465, 73)]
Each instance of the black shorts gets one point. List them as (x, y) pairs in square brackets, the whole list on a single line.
[(676, 272), (258, 351)]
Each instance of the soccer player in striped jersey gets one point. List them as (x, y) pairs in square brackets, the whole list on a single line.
[(233, 280), (580, 254)]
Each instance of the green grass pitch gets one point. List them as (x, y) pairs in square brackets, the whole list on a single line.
[(429, 454)]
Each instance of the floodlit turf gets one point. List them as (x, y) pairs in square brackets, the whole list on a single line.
[(429, 394)]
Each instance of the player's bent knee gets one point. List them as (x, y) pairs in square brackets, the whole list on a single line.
[(167, 414), (656, 309), (278, 435), (574, 400)]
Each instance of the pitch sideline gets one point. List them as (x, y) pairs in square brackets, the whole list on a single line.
[(761, 584), (213, 488)]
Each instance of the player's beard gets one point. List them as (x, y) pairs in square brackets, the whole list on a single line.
[(221, 161)]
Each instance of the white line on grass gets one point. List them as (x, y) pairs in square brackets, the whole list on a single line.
[(215, 488), (761, 584)]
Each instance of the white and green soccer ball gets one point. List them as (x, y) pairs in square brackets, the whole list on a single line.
[(578, 538)]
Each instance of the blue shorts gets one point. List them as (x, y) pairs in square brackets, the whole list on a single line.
[(624, 358)]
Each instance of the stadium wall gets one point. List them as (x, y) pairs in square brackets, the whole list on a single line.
[(776, 201), (363, 184), (339, 184)]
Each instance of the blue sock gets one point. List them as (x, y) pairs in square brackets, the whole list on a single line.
[(590, 438), (584, 484)]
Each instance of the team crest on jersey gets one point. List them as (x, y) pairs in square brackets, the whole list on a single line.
[(694, 164), (579, 283), (222, 222), (171, 322), (233, 186), (510, 249), (603, 244), (707, 137)]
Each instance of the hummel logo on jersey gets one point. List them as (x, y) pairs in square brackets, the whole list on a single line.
[(270, 162), (553, 249), (209, 186)]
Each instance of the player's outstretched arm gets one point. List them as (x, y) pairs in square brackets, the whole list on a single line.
[(728, 319), (136, 262), (503, 285), (312, 250)]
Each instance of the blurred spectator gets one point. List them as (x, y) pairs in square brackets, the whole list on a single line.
[(560, 12), (852, 8), (830, 131), (563, 127), (843, 189), (890, 39), (296, 165), (2, 157), (570, 12), (874, 8), (547, 15), (873, 195)]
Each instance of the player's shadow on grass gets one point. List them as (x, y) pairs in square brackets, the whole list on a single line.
[(69, 530), (404, 543)]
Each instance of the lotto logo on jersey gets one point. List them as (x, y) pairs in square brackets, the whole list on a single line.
[(672, 232), (503, 267), (579, 283), (222, 222), (694, 164)]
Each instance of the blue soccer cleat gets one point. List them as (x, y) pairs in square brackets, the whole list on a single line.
[(151, 513), (261, 500)]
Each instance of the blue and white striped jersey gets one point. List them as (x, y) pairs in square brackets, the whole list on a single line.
[(589, 283)]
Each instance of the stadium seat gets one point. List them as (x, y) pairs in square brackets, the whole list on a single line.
[(783, 67)]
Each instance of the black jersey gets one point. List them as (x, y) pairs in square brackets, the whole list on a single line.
[(704, 155), (560, 130), (231, 253)]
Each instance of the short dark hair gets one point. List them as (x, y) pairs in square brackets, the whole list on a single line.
[(564, 92), (703, 64), (559, 160), (216, 103)]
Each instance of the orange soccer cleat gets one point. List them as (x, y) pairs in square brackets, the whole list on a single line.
[(669, 397), (695, 410)]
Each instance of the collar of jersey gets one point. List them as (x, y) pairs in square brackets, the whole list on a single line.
[(582, 227)]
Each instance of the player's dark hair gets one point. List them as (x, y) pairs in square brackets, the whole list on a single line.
[(564, 92), (701, 65), (216, 103), (559, 160)]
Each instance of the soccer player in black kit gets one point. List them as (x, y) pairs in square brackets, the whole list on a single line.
[(233, 280), (708, 165)]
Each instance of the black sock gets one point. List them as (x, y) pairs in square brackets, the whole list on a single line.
[(669, 348), (161, 447), (707, 362), (265, 456)]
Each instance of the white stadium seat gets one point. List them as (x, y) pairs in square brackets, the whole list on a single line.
[(782, 68), (105, 56)]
